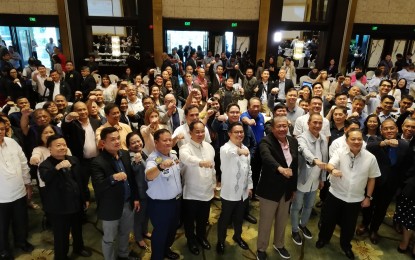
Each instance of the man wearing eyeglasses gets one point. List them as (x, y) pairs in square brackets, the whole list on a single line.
[(352, 169), (373, 100), (236, 185), (393, 159)]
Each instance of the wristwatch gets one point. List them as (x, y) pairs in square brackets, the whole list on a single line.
[(369, 197), (159, 167)]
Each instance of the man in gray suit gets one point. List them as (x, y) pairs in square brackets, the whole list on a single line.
[(170, 114), (313, 151)]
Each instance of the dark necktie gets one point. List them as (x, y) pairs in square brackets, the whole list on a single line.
[(393, 156)]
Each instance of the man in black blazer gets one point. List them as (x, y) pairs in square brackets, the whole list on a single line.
[(394, 161), (263, 90), (192, 61), (78, 129), (264, 85), (216, 77), (88, 82), (63, 200), (276, 186), (55, 80), (73, 78), (184, 88), (116, 194), (282, 85)]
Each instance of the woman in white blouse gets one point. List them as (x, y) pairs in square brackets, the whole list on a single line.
[(109, 90)]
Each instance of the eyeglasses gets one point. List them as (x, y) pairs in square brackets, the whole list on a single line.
[(352, 159), (238, 132), (386, 85)]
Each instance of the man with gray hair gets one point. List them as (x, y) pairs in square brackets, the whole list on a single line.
[(313, 156), (277, 186)]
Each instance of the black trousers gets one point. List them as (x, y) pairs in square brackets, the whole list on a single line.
[(217, 166), (141, 219), (62, 225), (256, 169), (324, 191), (195, 211), (86, 174), (164, 216), (373, 216), (231, 211), (343, 213), (15, 213)]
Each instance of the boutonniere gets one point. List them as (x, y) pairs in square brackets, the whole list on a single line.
[(71, 76), (159, 160)]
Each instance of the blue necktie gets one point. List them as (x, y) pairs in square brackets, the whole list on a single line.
[(393, 156)]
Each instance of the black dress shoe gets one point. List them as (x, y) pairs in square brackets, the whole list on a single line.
[(27, 247), (84, 252), (241, 243), (250, 219), (171, 255), (145, 247), (361, 229), (374, 237), (220, 248), (349, 253), (319, 204), (254, 198), (320, 244), (203, 242), (193, 247), (5, 256), (147, 237), (402, 251)]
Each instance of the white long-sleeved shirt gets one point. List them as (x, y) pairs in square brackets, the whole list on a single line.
[(198, 182), (236, 173), (14, 171), (184, 129), (301, 125), (339, 143)]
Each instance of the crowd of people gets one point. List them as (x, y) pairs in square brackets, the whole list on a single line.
[(160, 151)]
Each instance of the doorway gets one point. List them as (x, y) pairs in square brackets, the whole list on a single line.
[(183, 38), (25, 40), (32, 39)]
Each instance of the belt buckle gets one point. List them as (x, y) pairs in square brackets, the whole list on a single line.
[(178, 196)]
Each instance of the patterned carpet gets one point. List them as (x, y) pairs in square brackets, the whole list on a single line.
[(362, 247)]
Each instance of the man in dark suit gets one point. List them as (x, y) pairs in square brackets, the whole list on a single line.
[(64, 200), (216, 77), (277, 185), (116, 194), (170, 114), (263, 89), (184, 88), (73, 78), (392, 157), (281, 86), (54, 81), (192, 61), (88, 83), (78, 129)]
